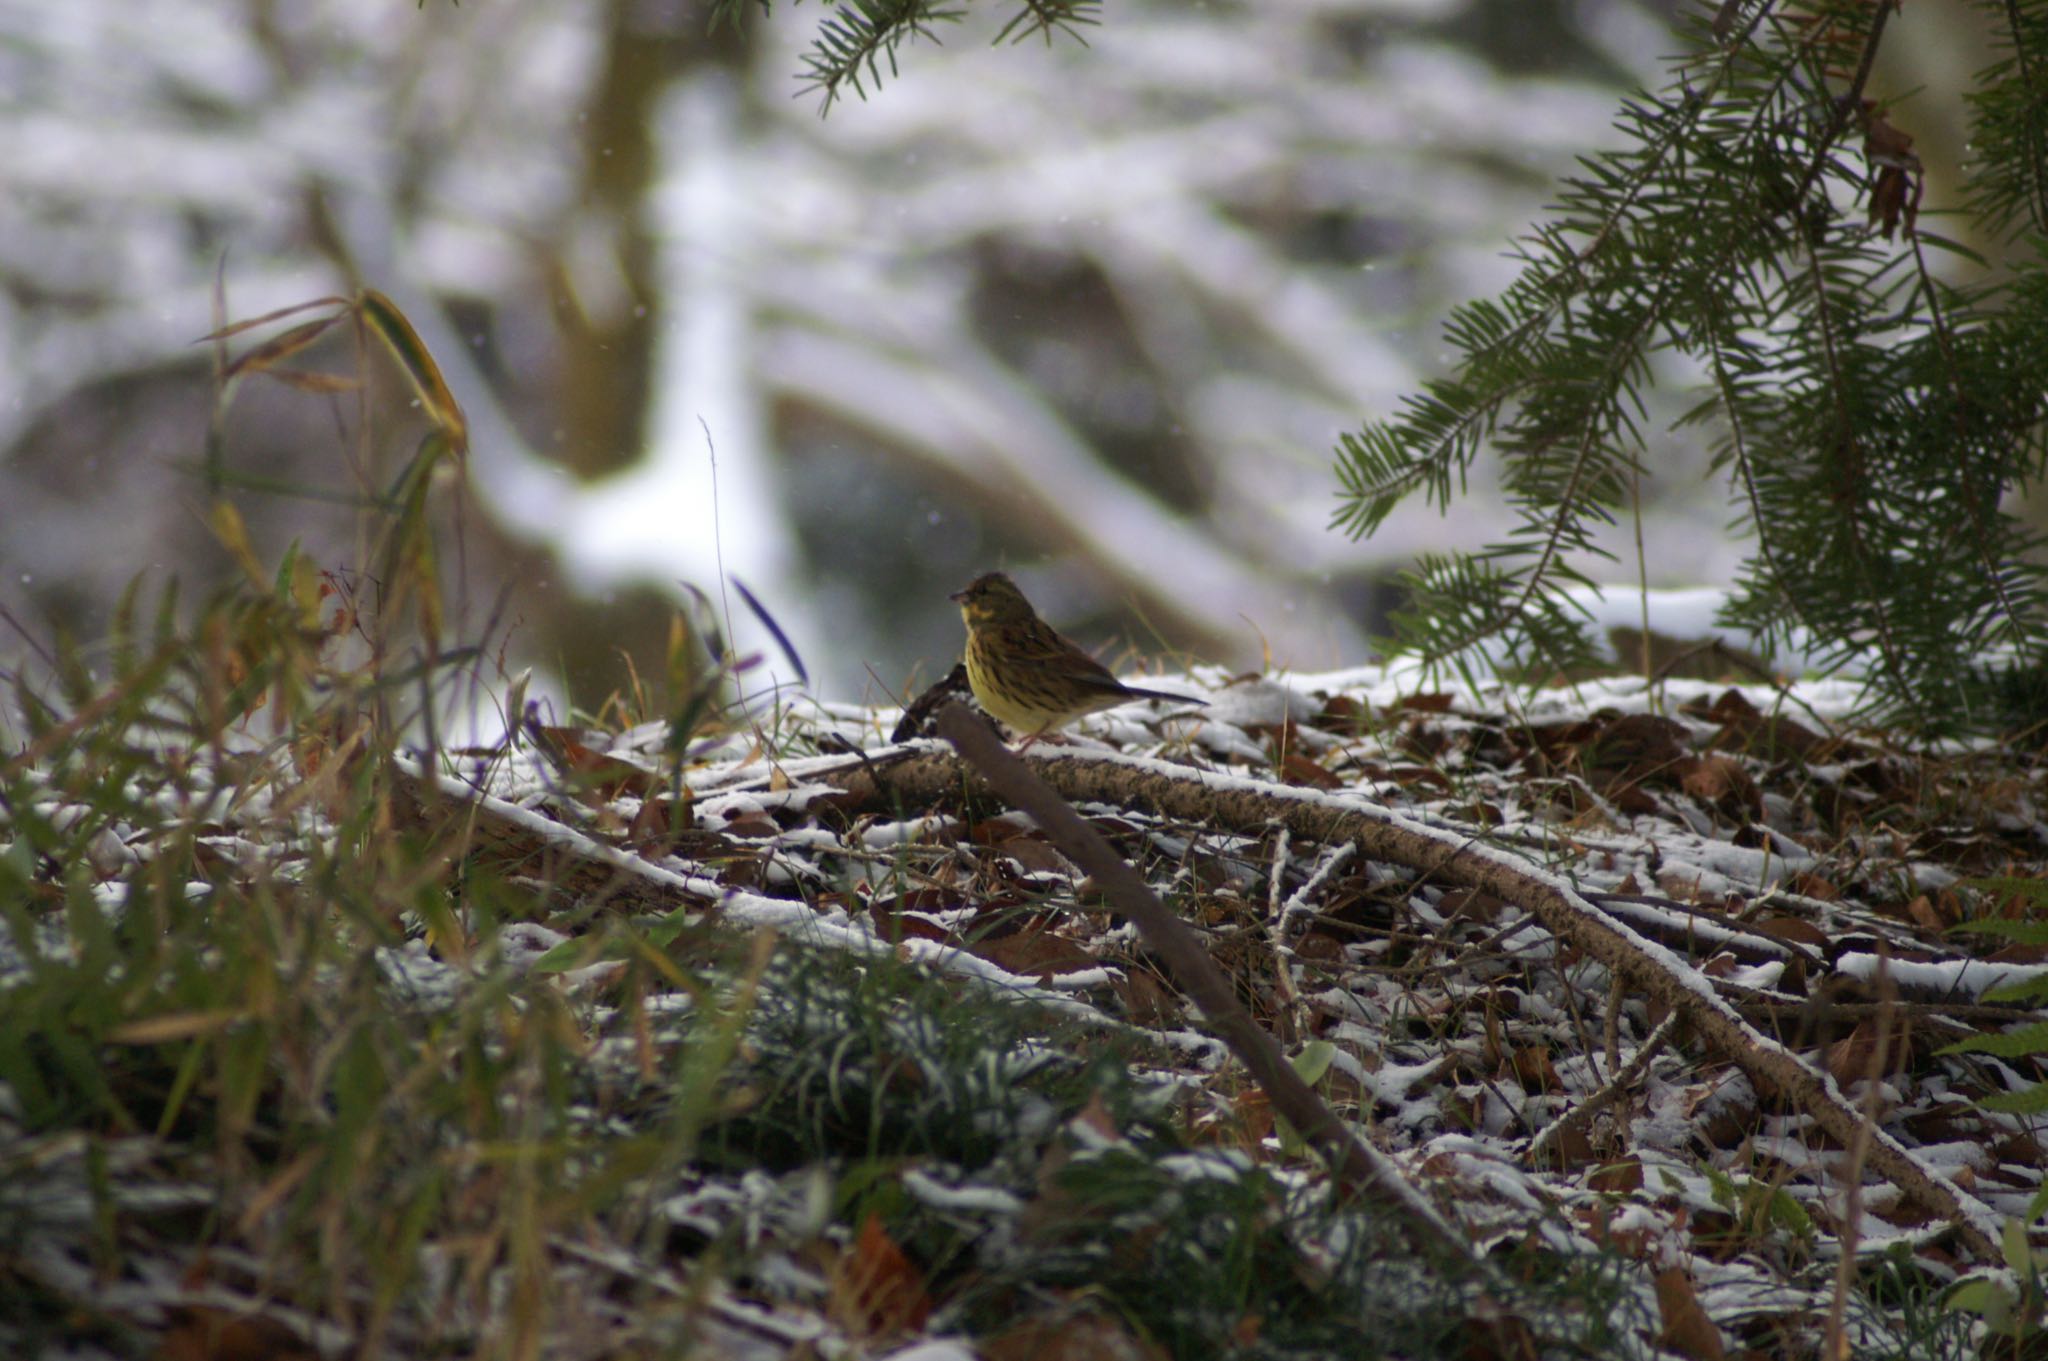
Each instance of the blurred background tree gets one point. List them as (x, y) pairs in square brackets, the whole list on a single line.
[(1096, 312)]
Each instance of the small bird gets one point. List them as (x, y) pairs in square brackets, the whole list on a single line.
[(1026, 674)]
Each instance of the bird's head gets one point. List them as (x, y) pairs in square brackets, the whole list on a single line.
[(992, 598)]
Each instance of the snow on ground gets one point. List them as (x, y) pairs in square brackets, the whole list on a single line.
[(1772, 856)]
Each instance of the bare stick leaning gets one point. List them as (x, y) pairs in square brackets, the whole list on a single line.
[(1357, 1168)]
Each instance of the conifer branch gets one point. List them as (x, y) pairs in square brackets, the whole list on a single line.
[(1849, 386), (859, 36), (1042, 17), (1843, 449), (2034, 110), (1984, 531)]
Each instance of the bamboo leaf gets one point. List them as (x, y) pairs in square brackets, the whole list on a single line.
[(390, 326)]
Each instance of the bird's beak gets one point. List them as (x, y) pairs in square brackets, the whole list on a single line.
[(958, 597)]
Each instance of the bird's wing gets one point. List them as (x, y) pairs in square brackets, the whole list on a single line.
[(1042, 645)]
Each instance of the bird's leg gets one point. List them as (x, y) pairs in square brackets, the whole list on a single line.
[(1050, 736)]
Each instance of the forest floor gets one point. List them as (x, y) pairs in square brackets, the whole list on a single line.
[(805, 1044)]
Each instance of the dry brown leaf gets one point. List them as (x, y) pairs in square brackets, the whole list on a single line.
[(656, 823), (1811, 885), (1625, 793), (756, 825), (904, 915), (876, 1291), (1036, 953), (1471, 904), (602, 774), (1681, 885), (1493, 1333), (1572, 1147), (1534, 1070), (1895, 193), (1342, 711), (1022, 843), (1255, 1115), (1687, 1329), (1922, 914), (1095, 1115), (1146, 1000), (1852, 1058), (1620, 1176), (1641, 744), (1078, 1337), (1409, 776), (1722, 782), (1296, 768), (203, 1333), (1791, 930), (1036, 855), (1723, 965)]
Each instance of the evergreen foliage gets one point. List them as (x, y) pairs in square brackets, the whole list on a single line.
[(858, 36), (1870, 414)]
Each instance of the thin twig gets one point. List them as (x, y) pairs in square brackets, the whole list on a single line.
[(1583, 1113), (1276, 937), (1850, 1229)]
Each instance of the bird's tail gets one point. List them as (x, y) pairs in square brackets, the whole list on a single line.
[(1167, 695)]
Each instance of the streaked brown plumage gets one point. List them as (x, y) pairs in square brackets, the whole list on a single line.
[(1026, 674)]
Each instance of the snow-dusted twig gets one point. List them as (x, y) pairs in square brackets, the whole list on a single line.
[(1850, 1227), (1578, 1116), (1334, 859), (1284, 991)]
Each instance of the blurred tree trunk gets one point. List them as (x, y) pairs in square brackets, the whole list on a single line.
[(605, 296), (609, 307)]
